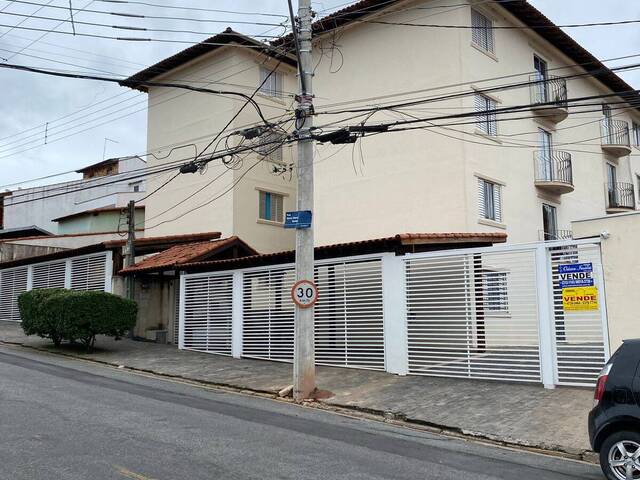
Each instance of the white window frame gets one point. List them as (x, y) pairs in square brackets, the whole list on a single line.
[(486, 121), (495, 291), (268, 151), (635, 129), (272, 87), (490, 209), (482, 32), (276, 213)]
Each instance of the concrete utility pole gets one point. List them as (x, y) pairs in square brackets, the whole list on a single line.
[(304, 369), (130, 253)]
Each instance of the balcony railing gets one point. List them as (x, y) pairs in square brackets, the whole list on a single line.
[(553, 170), (620, 196), (615, 136), (549, 94), (556, 235)]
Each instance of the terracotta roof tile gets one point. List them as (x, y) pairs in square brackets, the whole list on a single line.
[(177, 255), (378, 245)]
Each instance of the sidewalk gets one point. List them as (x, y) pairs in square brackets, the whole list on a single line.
[(506, 412)]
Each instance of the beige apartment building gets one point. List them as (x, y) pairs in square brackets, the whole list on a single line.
[(567, 150)]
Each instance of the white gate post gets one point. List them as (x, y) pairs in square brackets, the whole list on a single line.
[(67, 274), (602, 299), (545, 316), (236, 315), (181, 312), (395, 314), (108, 272), (29, 278)]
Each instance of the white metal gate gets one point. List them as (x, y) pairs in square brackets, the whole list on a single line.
[(208, 303), (349, 320), (267, 314), (581, 346), (473, 315), (491, 313), (13, 282)]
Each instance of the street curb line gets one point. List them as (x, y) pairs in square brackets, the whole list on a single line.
[(393, 418)]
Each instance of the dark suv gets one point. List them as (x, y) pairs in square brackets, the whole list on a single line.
[(614, 422)]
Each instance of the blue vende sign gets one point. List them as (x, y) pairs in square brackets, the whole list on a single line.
[(301, 219), (575, 268), (576, 275)]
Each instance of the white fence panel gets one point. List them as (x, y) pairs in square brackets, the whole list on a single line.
[(349, 315), (473, 315), (208, 319), (12, 283), (88, 273), (49, 275), (580, 343), (267, 324)]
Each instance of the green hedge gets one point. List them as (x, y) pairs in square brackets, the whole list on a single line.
[(36, 320), (75, 315)]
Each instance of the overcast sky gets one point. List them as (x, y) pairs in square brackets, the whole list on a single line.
[(81, 114)]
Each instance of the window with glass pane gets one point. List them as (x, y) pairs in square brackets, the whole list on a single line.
[(541, 69), (271, 207), (545, 155), (496, 297), (549, 222), (485, 114), (482, 31), (489, 200), (636, 134), (272, 82), (612, 178)]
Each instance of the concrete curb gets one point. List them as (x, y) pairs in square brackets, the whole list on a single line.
[(395, 418)]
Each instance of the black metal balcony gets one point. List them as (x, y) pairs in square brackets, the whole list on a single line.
[(615, 137), (620, 197), (553, 171), (549, 97)]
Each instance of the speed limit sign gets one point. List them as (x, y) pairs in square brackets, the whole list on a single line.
[(304, 293)]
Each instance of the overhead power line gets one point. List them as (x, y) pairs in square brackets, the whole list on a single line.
[(196, 9), (133, 39), (137, 28), (161, 169), (129, 83), (139, 16)]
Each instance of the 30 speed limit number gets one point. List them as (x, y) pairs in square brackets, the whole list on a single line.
[(304, 293)]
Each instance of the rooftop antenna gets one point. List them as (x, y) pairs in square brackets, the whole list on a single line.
[(73, 25), (104, 149)]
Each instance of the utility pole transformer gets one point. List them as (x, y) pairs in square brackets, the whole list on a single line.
[(130, 254), (304, 373)]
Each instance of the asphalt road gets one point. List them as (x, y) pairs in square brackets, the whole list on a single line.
[(64, 419)]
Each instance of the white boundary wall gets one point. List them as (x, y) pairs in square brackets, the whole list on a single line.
[(83, 272), (445, 313)]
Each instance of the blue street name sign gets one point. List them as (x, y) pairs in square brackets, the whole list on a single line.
[(301, 219), (576, 275)]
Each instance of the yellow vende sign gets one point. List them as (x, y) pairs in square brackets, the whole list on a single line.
[(580, 299)]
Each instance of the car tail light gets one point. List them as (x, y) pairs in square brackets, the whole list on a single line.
[(602, 381)]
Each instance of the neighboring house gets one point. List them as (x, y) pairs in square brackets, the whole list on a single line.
[(112, 183), (106, 219), (529, 173)]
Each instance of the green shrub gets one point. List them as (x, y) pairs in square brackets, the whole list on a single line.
[(36, 320), (80, 316)]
